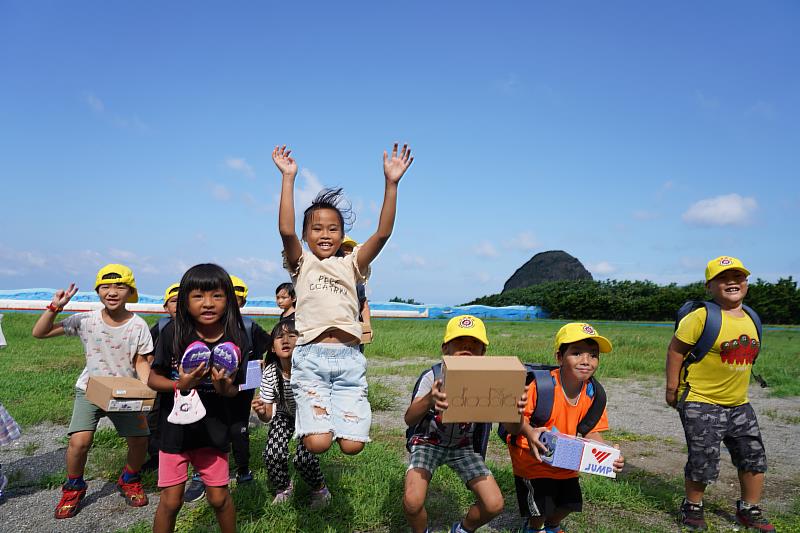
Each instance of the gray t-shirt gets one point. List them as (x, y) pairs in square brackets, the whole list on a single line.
[(440, 434), (109, 350)]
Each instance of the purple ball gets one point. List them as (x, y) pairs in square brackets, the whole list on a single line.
[(226, 357), (195, 353)]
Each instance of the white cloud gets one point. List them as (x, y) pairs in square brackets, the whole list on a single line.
[(139, 264), (413, 261), (260, 207), (240, 165), (524, 241), (306, 193), (485, 249), (603, 268), (253, 269), (727, 210), (20, 259), (761, 109), (97, 105), (220, 192)]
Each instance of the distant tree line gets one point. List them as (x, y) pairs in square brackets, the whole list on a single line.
[(777, 303)]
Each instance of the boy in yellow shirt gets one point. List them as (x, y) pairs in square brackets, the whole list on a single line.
[(713, 405)]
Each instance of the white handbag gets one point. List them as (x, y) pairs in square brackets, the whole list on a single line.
[(187, 409)]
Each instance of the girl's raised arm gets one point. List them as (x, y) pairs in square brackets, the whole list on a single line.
[(393, 169), (288, 167)]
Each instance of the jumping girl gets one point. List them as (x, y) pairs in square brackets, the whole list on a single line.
[(276, 405), (328, 371), (207, 312)]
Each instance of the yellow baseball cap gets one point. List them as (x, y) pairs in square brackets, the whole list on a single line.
[(239, 286), (171, 291), (125, 276), (717, 266), (465, 326), (578, 331), (349, 240)]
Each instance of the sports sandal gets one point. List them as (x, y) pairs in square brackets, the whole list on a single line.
[(70, 501)]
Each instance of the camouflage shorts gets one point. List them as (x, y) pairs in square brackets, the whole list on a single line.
[(706, 425)]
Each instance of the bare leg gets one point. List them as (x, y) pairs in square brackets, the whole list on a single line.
[(416, 490), (168, 507), (78, 451), (752, 485), (137, 451), (489, 504), (219, 498), (694, 491)]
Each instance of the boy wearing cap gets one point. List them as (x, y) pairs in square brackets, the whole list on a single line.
[(436, 443), (170, 307), (116, 343), (713, 405), (546, 494)]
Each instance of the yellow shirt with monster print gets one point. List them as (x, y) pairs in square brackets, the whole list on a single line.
[(723, 375)]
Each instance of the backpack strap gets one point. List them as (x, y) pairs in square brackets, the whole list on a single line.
[(545, 392), (162, 323), (596, 391), (248, 328), (757, 323), (420, 426), (710, 332)]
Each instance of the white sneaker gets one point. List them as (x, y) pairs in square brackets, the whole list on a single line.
[(284, 496)]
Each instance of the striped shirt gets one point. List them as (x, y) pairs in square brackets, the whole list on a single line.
[(270, 391)]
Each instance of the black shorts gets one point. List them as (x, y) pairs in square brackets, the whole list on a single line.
[(542, 496)]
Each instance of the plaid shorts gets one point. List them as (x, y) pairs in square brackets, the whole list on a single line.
[(708, 424), (466, 462)]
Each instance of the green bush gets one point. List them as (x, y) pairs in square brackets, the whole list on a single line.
[(777, 303)]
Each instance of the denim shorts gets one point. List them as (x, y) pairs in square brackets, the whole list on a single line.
[(329, 384)]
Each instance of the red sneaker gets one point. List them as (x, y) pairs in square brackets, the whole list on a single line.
[(70, 501), (133, 492), (753, 518)]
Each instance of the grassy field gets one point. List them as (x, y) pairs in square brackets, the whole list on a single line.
[(37, 378)]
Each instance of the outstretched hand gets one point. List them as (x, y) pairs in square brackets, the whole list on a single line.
[(285, 163), (62, 296), (395, 166)]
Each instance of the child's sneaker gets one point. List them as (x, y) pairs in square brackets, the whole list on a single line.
[(752, 517), (553, 529), (196, 490), (70, 501), (244, 477), (320, 498), (692, 516), (133, 492), (456, 528), (284, 496)]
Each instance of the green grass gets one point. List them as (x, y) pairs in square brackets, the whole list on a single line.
[(37, 379)]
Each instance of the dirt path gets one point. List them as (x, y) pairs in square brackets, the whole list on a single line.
[(636, 406)]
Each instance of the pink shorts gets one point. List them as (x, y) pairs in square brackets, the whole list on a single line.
[(211, 464)]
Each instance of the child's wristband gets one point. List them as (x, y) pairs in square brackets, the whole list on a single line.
[(53, 308)]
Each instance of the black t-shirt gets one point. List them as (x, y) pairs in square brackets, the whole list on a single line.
[(290, 316), (212, 430)]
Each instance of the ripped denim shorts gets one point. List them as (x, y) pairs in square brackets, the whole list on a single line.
[(329, 384)]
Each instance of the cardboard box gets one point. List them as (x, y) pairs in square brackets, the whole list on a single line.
[(482, 389), (576, 453), (120, 394)]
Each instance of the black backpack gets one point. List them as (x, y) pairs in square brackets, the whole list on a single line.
[(480, 434), (545, 392), (709, 335)]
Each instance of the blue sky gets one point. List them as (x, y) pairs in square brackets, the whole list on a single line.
[(644, 139)]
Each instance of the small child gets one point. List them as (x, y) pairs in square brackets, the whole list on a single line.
[(276, 405), (285, 297), (207, 313), (715, 408), (116, 343), (546, 494), (434, 444), (170, 304), (329, 372), (9, 432)]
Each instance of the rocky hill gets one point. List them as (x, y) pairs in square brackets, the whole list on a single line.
[(553, 265)]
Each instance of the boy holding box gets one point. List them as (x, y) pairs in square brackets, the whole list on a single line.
[(434, 444), (546, 494), (117, 343), (715, 408)]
